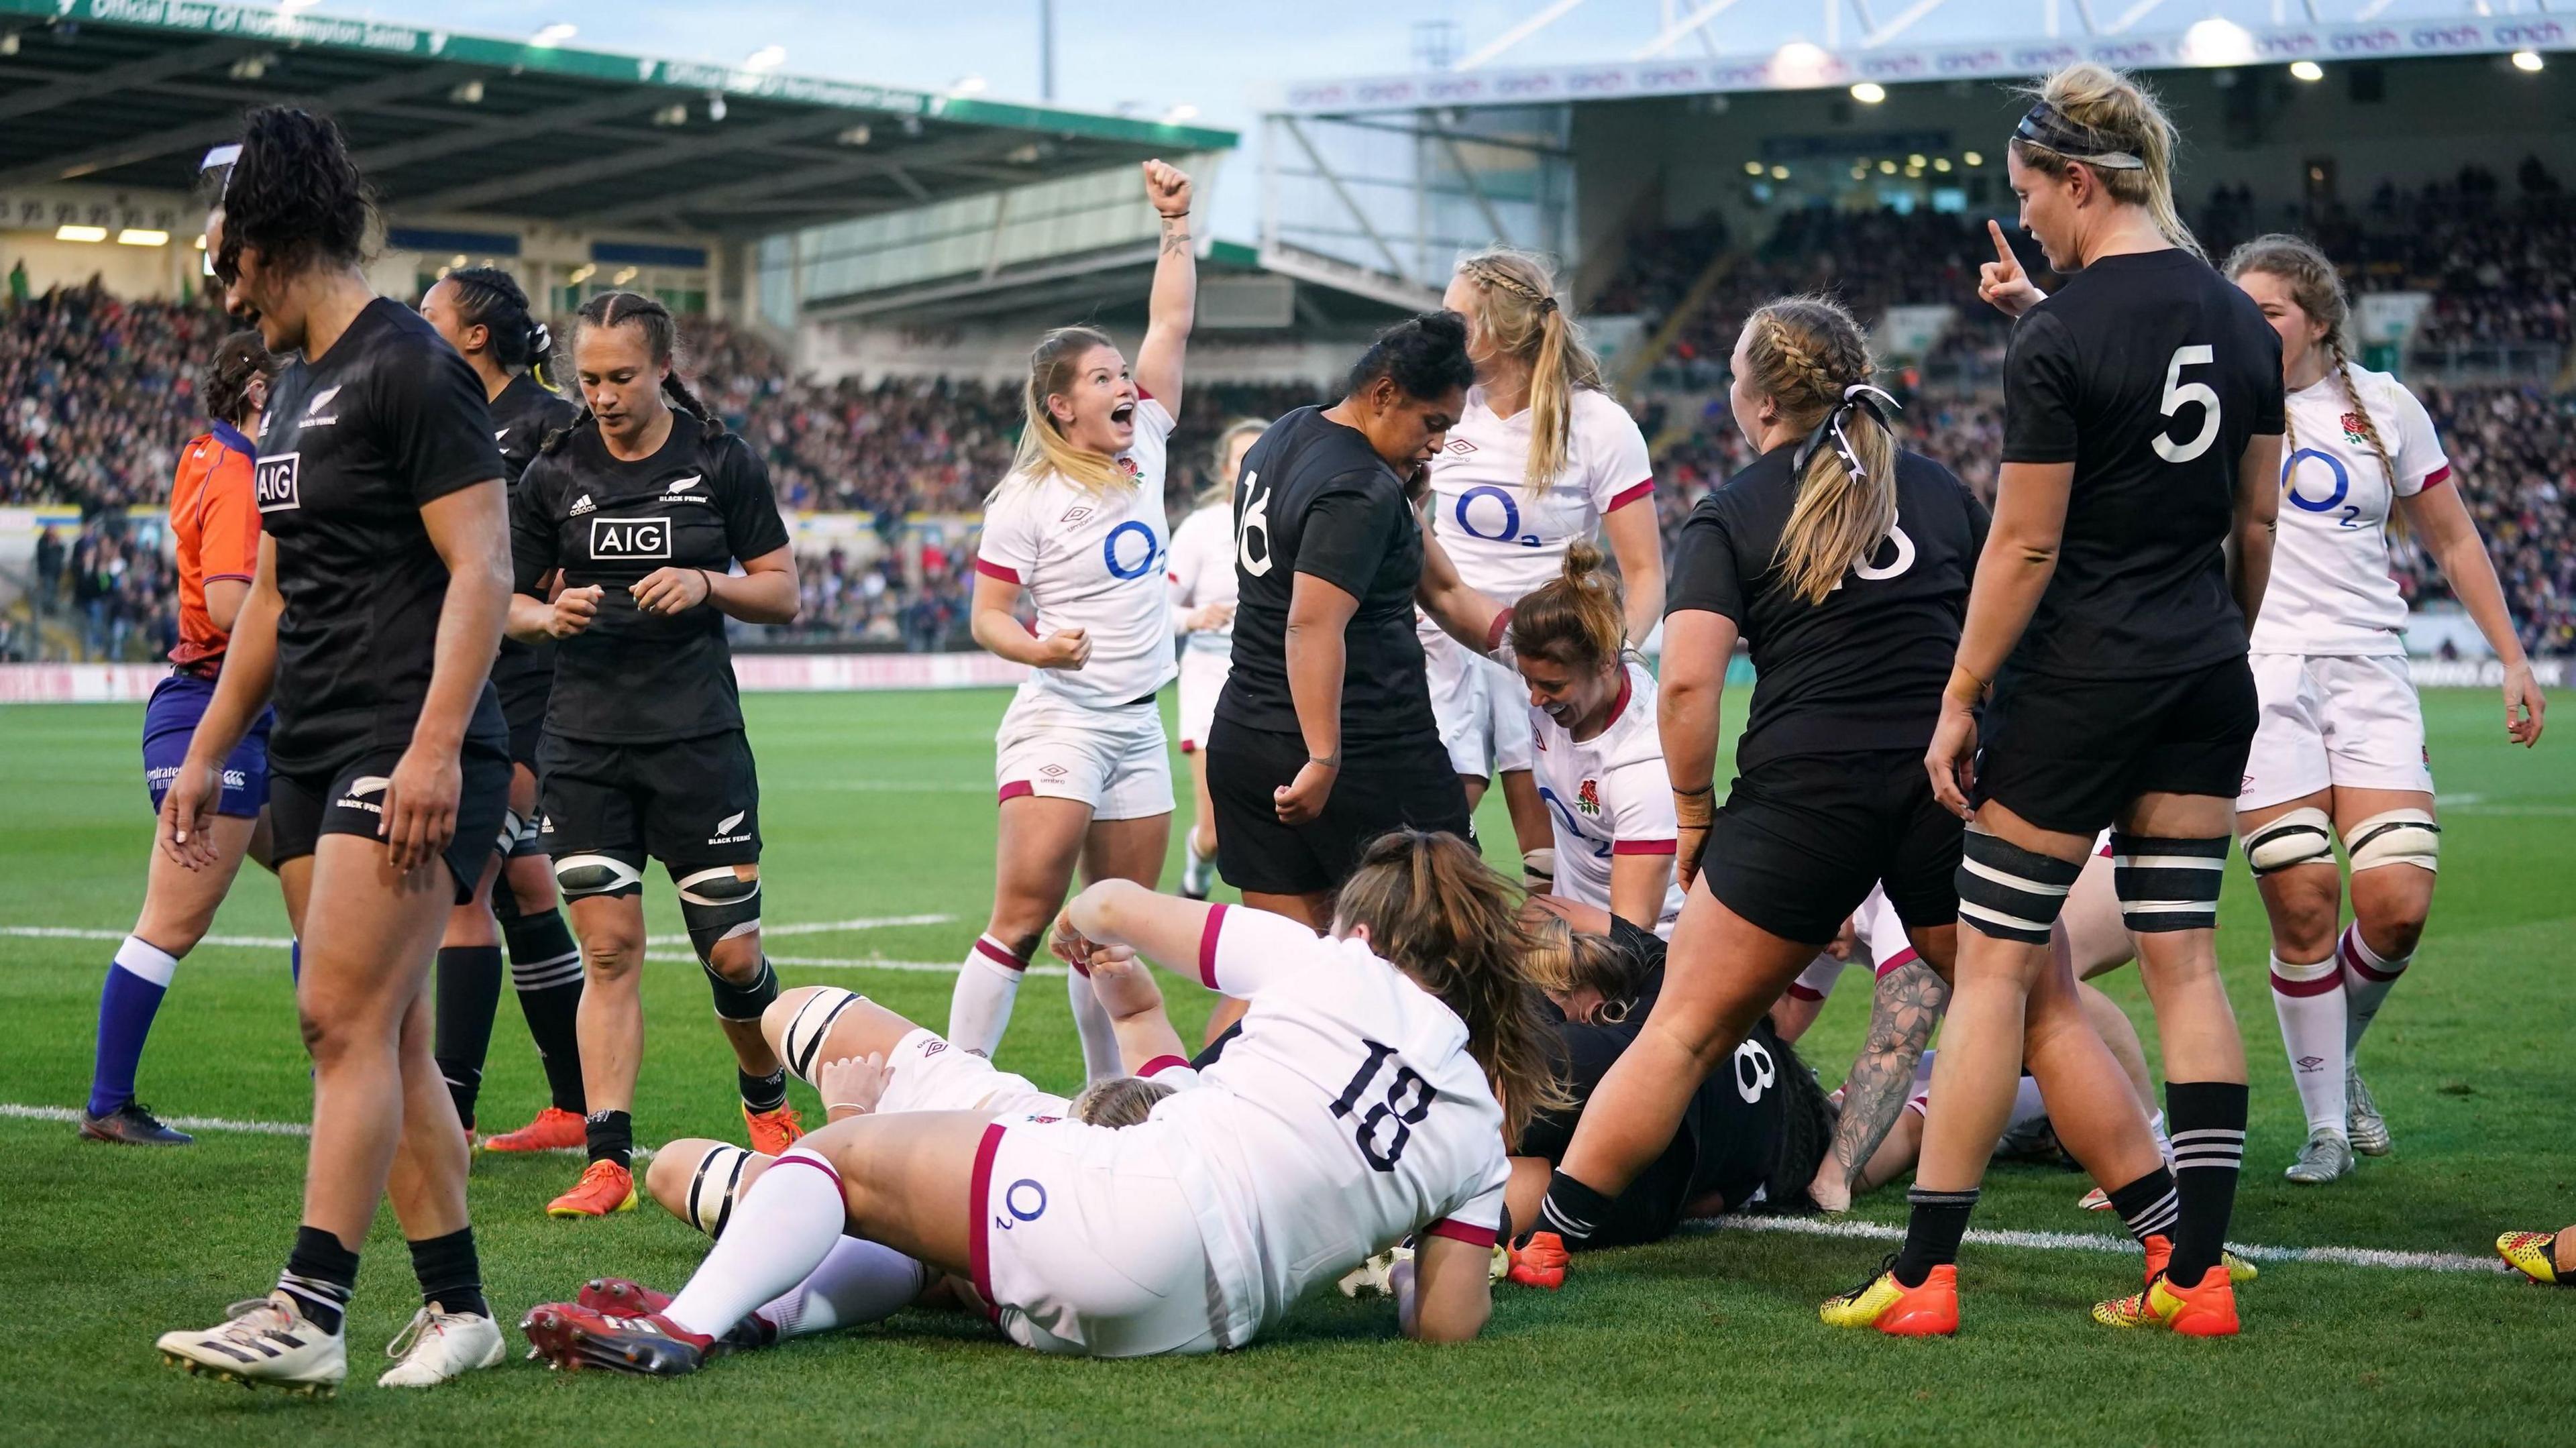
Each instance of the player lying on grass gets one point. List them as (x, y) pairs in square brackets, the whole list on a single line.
[(1357, 1105)]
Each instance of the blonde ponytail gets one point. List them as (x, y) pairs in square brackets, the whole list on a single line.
[(1811, 358), (1577, 618), (1043, 447), (2111, 123), (1517, 312)]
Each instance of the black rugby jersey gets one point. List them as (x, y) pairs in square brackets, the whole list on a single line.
[(1315, 498), (353, 444), (523, 417), (697, 502), (1864, 669), (2148, 372)]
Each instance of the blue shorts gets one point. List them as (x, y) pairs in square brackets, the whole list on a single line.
[(170, 721)]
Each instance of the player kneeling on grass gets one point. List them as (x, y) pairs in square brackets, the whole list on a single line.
[(1358, 1104)]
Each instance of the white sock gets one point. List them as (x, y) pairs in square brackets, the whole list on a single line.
[(782, 1229), (986, 985), (2366, 982), (858, 1283), (1198, 875), (1100, 1058), (2164, 1142), (2309, 999)]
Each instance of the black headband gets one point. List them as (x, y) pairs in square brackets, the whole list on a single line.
[(1859, 395), (2051, 129)]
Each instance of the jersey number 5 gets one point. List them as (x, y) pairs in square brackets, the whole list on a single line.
[(1394, 1108), (2180, 394), (1253, 522)]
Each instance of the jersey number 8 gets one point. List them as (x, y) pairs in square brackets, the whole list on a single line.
[(1394, 1108), (2179, 395)]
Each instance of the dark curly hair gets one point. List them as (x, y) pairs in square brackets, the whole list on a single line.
[(294, 194), (661, 341), (224, 387), (1426, 355), (492, 299)]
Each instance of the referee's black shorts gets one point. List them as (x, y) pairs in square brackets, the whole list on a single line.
[(1411, 786), (1800, 841), (2069, 754)]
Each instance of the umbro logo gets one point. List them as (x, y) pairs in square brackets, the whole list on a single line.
[(580, 505), (1460, 446), (2310, 1063), (1076, 516)]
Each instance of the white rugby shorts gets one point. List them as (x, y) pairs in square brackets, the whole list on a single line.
[(1203, 674), (1084, 1244), (1482, 710), (2350, 721), (1114, 760), (927, 1073)]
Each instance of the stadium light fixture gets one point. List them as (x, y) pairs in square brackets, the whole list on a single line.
[(674, 114), (1916, 161), (583, 273), (1779, 173), (2307, 70), (2527, 60), (1887, 168), (967, 85), (854, 136), (9, 43), (1869, 92), (715, 105), (1752, 168), (1973, 158), (80, 233), (1799, 62), (624, 275), (2218, 41), (555, 34), (468, 94), (142, 236), (1941, 164), (768, 57), (1180, 114)]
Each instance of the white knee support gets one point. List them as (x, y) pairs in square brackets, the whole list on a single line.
[(581, 875), (2395, 837), (2304, 836), (1538, 869), (708, 1203), (808, 1028)]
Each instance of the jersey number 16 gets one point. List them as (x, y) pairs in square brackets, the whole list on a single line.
[(1408, 1100)]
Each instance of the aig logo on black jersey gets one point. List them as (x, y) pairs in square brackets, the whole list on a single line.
[(630, 538), (273, 482)]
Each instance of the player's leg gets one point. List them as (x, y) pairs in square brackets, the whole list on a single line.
[(1515, 754), (1198, 870), (2291, 852), (1129, 836), (604, 894), (178, 906), (1035, 848), (2395, 847), (467, 988), (2120, 1036), (545, 974), (1273, 864), (2090, 931)]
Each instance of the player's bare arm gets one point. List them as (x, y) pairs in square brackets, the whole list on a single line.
[(1697, 646)]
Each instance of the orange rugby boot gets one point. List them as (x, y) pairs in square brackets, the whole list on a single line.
[(604, 1187), (1931, 1310), (554, 1129), (772, 1132)]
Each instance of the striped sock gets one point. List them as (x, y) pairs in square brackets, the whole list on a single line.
[(2149, 1205), (2367, 979), (2209, 1151), (545, 970), (980, 1009), (320, 1275)]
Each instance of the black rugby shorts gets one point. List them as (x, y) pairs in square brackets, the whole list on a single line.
[(1411, 786), (1801, 839), (349, 799), (2071, 754), (682, 801)]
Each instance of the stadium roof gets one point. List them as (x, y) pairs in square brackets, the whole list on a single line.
[(132, 92)]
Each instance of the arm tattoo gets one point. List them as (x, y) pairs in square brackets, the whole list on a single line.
[(1176, 235), (1901, 1015)]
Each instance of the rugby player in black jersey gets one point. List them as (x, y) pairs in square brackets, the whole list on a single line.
[(484, 315), (1843, 562), (1324, 737), (373, 620), (2106, 640), (643, 508)]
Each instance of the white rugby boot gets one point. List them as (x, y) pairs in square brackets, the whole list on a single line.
[(439, 1346), (2326, 1157), (2368, 1129), (265, 1341)]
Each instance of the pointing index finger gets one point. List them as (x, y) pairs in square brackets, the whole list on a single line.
[(2003, 248)]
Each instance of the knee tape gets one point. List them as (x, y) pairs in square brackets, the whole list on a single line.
[(2167, 884), (745, 1003), (580, 876), (708, 1203), (2011, 893), (1538, 869), (718, 905), (2396, 837), (2302, 837), (811, 1026)]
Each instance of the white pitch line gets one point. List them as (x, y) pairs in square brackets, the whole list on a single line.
[(66, 932), (264, 942), (839, 962), (218, 1123), (2091, 1242), (822, 927), (898, 786)]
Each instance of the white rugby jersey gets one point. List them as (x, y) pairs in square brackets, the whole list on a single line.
[(1093, 563), (1608, 795), (1506, 542), (2331, 592), (1347, 1114), (1202, 572)]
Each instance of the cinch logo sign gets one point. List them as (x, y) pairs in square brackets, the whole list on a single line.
[(630, 537)]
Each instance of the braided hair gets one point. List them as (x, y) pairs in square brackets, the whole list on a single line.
[(1517, 310), (490, 298), (1812, 360), (2317, 288), (224, 387), (661, 341)]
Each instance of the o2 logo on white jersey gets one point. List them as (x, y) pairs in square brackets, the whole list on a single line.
[(1511, 529), (1253, 521), (2331, 501), (1754, 1071), (274, 482), (630, 538), (1024, 1200), (1110, 549)]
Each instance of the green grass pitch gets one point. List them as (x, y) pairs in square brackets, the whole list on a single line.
[(881, 805)]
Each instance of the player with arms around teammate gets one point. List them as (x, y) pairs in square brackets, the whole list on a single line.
[(1359, 1103), (484, 315), (1541, 457), (643, 507), (1203, 590), (1598, 760), (373, 618), (214, 521), (1084, 773), (1843, 561), (2106, 642), (2340, 749)]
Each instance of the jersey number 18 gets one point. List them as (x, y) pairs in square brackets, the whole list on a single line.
[(1395, 1108)]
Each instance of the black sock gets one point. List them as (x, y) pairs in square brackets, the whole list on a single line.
[(1572, 1210), (451, 1276), (320, 1274), (612, 1136), (2208, 1122), (469, 991), (1932, 1235), (545, 966), (762, 1093), (2148, 1205)]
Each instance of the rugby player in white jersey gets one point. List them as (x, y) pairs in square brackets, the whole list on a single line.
[(2339, 748), (1358, 1104), (1541, 456), (1203, 589), (1077, 527), (1599, 761)]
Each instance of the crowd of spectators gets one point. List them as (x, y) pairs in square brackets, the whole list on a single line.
[(97, 395), (110, 585)]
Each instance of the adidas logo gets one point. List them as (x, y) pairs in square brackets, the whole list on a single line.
[(580, 505), (499, 433)]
